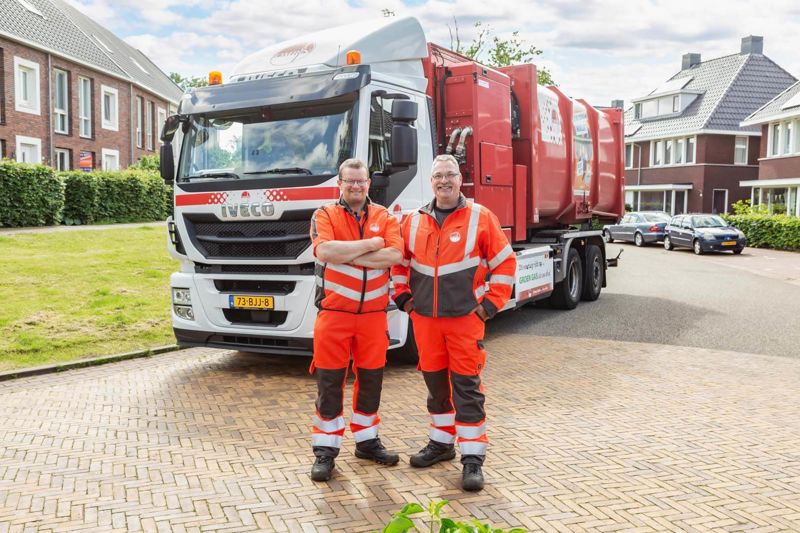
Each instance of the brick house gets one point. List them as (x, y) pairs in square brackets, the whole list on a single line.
[(778, 183), (686, 150), (72, 94)]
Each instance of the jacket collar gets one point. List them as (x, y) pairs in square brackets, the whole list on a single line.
[(348, 209), (428, 208)]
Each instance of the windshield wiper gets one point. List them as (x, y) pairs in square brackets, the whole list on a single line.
[(215, 175), (292, 170)]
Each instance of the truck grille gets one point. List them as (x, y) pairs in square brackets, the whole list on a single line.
[(274, 239), (254, 317)]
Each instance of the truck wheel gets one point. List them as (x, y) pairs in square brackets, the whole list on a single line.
[(593, 273), (567, 293), (408, 353)]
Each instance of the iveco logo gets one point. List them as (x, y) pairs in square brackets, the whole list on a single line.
[(246, 209)]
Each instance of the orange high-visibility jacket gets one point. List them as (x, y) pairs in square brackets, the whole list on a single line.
[(445, 268), (345, 287)]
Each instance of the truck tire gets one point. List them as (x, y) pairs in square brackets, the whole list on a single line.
[(593, 274), (567, 294), (408, 353)]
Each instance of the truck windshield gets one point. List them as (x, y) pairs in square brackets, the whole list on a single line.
[(275, 141)]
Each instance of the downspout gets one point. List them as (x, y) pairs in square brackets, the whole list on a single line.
[(131, 131), (50, 126)]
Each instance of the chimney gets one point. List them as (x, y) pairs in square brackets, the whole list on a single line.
[(618, 103), (752, 44), (689, 60)]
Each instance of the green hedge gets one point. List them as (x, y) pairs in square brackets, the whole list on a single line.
[(779, 232), (30, 195), (111, 197)]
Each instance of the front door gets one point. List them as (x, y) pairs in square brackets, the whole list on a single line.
[(720, 202)]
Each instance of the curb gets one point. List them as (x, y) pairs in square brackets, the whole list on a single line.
[(82, 363)]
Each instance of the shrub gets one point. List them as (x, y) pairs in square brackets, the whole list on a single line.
[(780, 232), (146, 162), (30, 195), (402, 521)]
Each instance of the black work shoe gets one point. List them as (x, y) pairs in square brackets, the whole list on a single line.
[(374, 450), (472, 477), (322, 469), (432, 454)]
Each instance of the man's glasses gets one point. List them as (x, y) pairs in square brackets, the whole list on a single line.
[(449, 175), (359, 183)]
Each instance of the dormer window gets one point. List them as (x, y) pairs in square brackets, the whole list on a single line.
[(668, 100), (676, 103)]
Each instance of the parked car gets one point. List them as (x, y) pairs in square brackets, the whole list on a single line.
[(638, 227), (703, 233)]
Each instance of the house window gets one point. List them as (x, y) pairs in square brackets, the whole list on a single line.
[(657, 151), (680, 151), (2, 148), (29, 149), (637, 110), (629, 156), (61, 101), (690, 146), (26, 86), (787, 138), (668, 152), (63, 158), (85, 106), (162, 118), (110, 106), (110, 159), (139, 120), (676, 103), (796, 130), (775, 139), (148, 125), (740, 152)]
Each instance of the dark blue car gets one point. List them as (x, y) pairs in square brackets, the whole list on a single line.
[(703, 233)]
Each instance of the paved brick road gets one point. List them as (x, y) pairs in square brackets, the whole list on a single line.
[(586, 435)]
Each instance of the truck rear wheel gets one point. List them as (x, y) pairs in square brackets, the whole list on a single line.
[(593, 274), (567, 294), (408, 353)]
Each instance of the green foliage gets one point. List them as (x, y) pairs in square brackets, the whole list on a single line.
[(30, 195), (146, 162), (403, 522), (187, 83), (498, 52), (779, 232), (130, 195), (743, 207)]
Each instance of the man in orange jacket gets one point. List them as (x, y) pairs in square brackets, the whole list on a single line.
[(450, 246), (355, 242)]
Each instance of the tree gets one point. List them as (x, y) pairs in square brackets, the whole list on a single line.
[(499, 52), (187, 83)]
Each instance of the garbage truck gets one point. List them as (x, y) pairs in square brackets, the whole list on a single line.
[(252, 157)]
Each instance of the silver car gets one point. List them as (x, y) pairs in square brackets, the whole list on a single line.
[(638, 227)]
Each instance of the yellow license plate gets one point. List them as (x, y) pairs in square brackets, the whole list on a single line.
[(243, 301), (729, 243)]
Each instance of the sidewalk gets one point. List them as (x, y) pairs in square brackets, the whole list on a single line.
[(54, 229)]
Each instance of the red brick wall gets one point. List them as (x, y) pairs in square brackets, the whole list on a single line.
[(18, 123), (779, 167)]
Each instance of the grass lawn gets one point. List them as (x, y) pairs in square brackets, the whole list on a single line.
[(78, 294)]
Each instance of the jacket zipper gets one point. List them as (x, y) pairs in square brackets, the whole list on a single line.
[(364, 279)]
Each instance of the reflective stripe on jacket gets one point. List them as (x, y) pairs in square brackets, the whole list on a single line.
[(346, 287), (445, 269)]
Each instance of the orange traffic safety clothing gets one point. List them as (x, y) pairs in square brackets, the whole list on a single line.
[(352, 304), (449, 270)]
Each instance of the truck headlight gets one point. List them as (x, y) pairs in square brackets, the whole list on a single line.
[(184, 311), (181, 296)]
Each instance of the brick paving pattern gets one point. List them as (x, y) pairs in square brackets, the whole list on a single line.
[(586, 436)]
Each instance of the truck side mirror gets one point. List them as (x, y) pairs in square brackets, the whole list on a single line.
[(404, 111), (171, 125), (167, 163), (404, 136)]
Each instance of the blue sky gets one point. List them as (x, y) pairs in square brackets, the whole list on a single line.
[(597, 50)]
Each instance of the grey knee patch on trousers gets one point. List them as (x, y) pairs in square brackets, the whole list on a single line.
[(468, 398), (438, 391), (370, 382), (330, 387)]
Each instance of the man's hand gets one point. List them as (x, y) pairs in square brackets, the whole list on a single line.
[(481, 312), (409, 306), (376, 243)]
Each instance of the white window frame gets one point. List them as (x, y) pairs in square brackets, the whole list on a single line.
[(32, 104), (657, 149), (105, 153), (31, 141), (113, 122), (148, 125), (796, 130), (637, 110), (680, 151), (786, 137), (85, 107), (693, 139), (62, 154), (139, 121), (629, 157), (774, 141), (668, 152), (676, 103), (736, 150), (60, 114), (162, 118)]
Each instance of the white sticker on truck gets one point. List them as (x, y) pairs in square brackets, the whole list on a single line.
[(534, 273)]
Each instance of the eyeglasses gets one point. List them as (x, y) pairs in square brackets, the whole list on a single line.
[(449, 175), (359, 183)]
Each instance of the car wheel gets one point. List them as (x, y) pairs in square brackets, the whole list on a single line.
[(638, 239), (593, 273), (607, 236), (567, 293), (738, 251), (697, 247), (668, 243)]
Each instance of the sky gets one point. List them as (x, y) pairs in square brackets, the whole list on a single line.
[(597, 50)]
